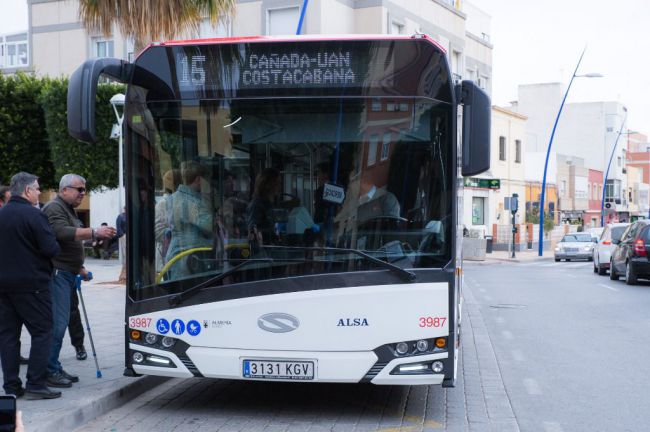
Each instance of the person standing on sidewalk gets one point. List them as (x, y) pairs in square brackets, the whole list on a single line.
[(120, 223), (67, 265), (28, 246), (5, 194)]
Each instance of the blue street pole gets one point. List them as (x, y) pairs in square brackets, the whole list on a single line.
[(548, 152), (302, 16), (602, 203)]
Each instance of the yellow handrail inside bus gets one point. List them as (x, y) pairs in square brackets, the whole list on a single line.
[(176, 258), (189, 252)]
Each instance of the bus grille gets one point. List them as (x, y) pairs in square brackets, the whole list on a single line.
[(190, 365), (374, 371)]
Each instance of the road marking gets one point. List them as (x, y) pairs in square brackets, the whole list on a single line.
[(608, 287), (570, 276), (532, 388), (518, 356), (507, 334), (552, 426), (500, 320)]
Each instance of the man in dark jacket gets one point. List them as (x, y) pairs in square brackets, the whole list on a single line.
[(28, 245), (67, 265)]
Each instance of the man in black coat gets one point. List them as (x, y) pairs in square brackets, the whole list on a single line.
[(27, 248)]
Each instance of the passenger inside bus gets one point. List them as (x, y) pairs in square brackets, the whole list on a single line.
[(259, 213), (189, 217)]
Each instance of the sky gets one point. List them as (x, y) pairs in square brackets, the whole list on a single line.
[(540, 41)]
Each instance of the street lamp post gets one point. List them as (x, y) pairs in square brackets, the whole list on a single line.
[(118, 101), (548, 150), (611, 157)]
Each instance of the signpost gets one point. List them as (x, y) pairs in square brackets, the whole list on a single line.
[(512, 204)]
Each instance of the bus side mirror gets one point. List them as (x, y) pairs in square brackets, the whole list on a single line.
[(476, 128), (82, 90)]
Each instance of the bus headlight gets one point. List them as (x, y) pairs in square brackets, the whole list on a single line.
[(168, 342), (162, 361), (422, 345), (151, 338), (402, 348), (138, 357), (437, 366)]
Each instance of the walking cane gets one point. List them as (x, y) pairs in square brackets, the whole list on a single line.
[(90, 335)]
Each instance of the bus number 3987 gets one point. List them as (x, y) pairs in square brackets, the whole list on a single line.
[(432, 321), (139, 322)]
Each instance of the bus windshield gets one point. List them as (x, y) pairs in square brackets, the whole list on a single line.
[(269, 181)]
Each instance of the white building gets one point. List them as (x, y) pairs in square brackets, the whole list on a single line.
[(585, 130), (484, 202)]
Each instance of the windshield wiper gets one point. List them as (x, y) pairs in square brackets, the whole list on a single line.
[(177, 299), (406, 275)]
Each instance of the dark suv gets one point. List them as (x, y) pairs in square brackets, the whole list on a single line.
[(631, 255)]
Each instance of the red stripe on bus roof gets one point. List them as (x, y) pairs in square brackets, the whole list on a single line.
[(289, 38)]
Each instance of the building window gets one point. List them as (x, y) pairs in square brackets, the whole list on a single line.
[(502, 148), (618, 159), (589, 190), (385, 146), (376, 105), (372, 149), (16, 54), (478, 210), (562, 188), (103, 48), (482, 82), (282, 21), (518, 151)]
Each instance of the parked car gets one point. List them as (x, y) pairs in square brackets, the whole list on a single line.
[(630, 257), (575, 246), (608, 240)]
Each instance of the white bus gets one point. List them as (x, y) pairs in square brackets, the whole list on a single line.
[(293, 206)]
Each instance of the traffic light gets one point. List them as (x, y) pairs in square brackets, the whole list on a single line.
[(514, 203)]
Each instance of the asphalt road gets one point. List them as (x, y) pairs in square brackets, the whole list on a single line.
[(572, 347), (546, 347)]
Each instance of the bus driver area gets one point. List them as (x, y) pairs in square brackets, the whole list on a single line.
[(342, 341)]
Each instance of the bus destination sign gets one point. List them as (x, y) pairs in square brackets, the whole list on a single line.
[(276, 69)]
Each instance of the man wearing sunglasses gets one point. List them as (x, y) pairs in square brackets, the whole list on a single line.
[(70, 234)]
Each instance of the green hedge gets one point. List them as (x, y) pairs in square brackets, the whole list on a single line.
[(34, 133), (97, 162), (24, 143)]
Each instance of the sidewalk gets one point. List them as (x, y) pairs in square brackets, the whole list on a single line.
[(523, 256), (91, 396)]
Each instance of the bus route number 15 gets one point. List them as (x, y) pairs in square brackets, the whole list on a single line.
[(432, 321)]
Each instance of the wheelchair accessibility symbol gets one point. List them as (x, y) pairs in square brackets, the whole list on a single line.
[(162, 326)]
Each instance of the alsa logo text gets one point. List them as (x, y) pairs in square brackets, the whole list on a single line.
[(352, 322)]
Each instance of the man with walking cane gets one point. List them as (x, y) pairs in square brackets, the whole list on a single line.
[(67, 265)]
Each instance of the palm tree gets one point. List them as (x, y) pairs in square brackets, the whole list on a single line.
[(149, 20)]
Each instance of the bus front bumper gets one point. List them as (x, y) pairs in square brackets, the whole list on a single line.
[(330, 367)]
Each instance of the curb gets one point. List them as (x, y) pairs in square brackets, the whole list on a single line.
[(91, 408)]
